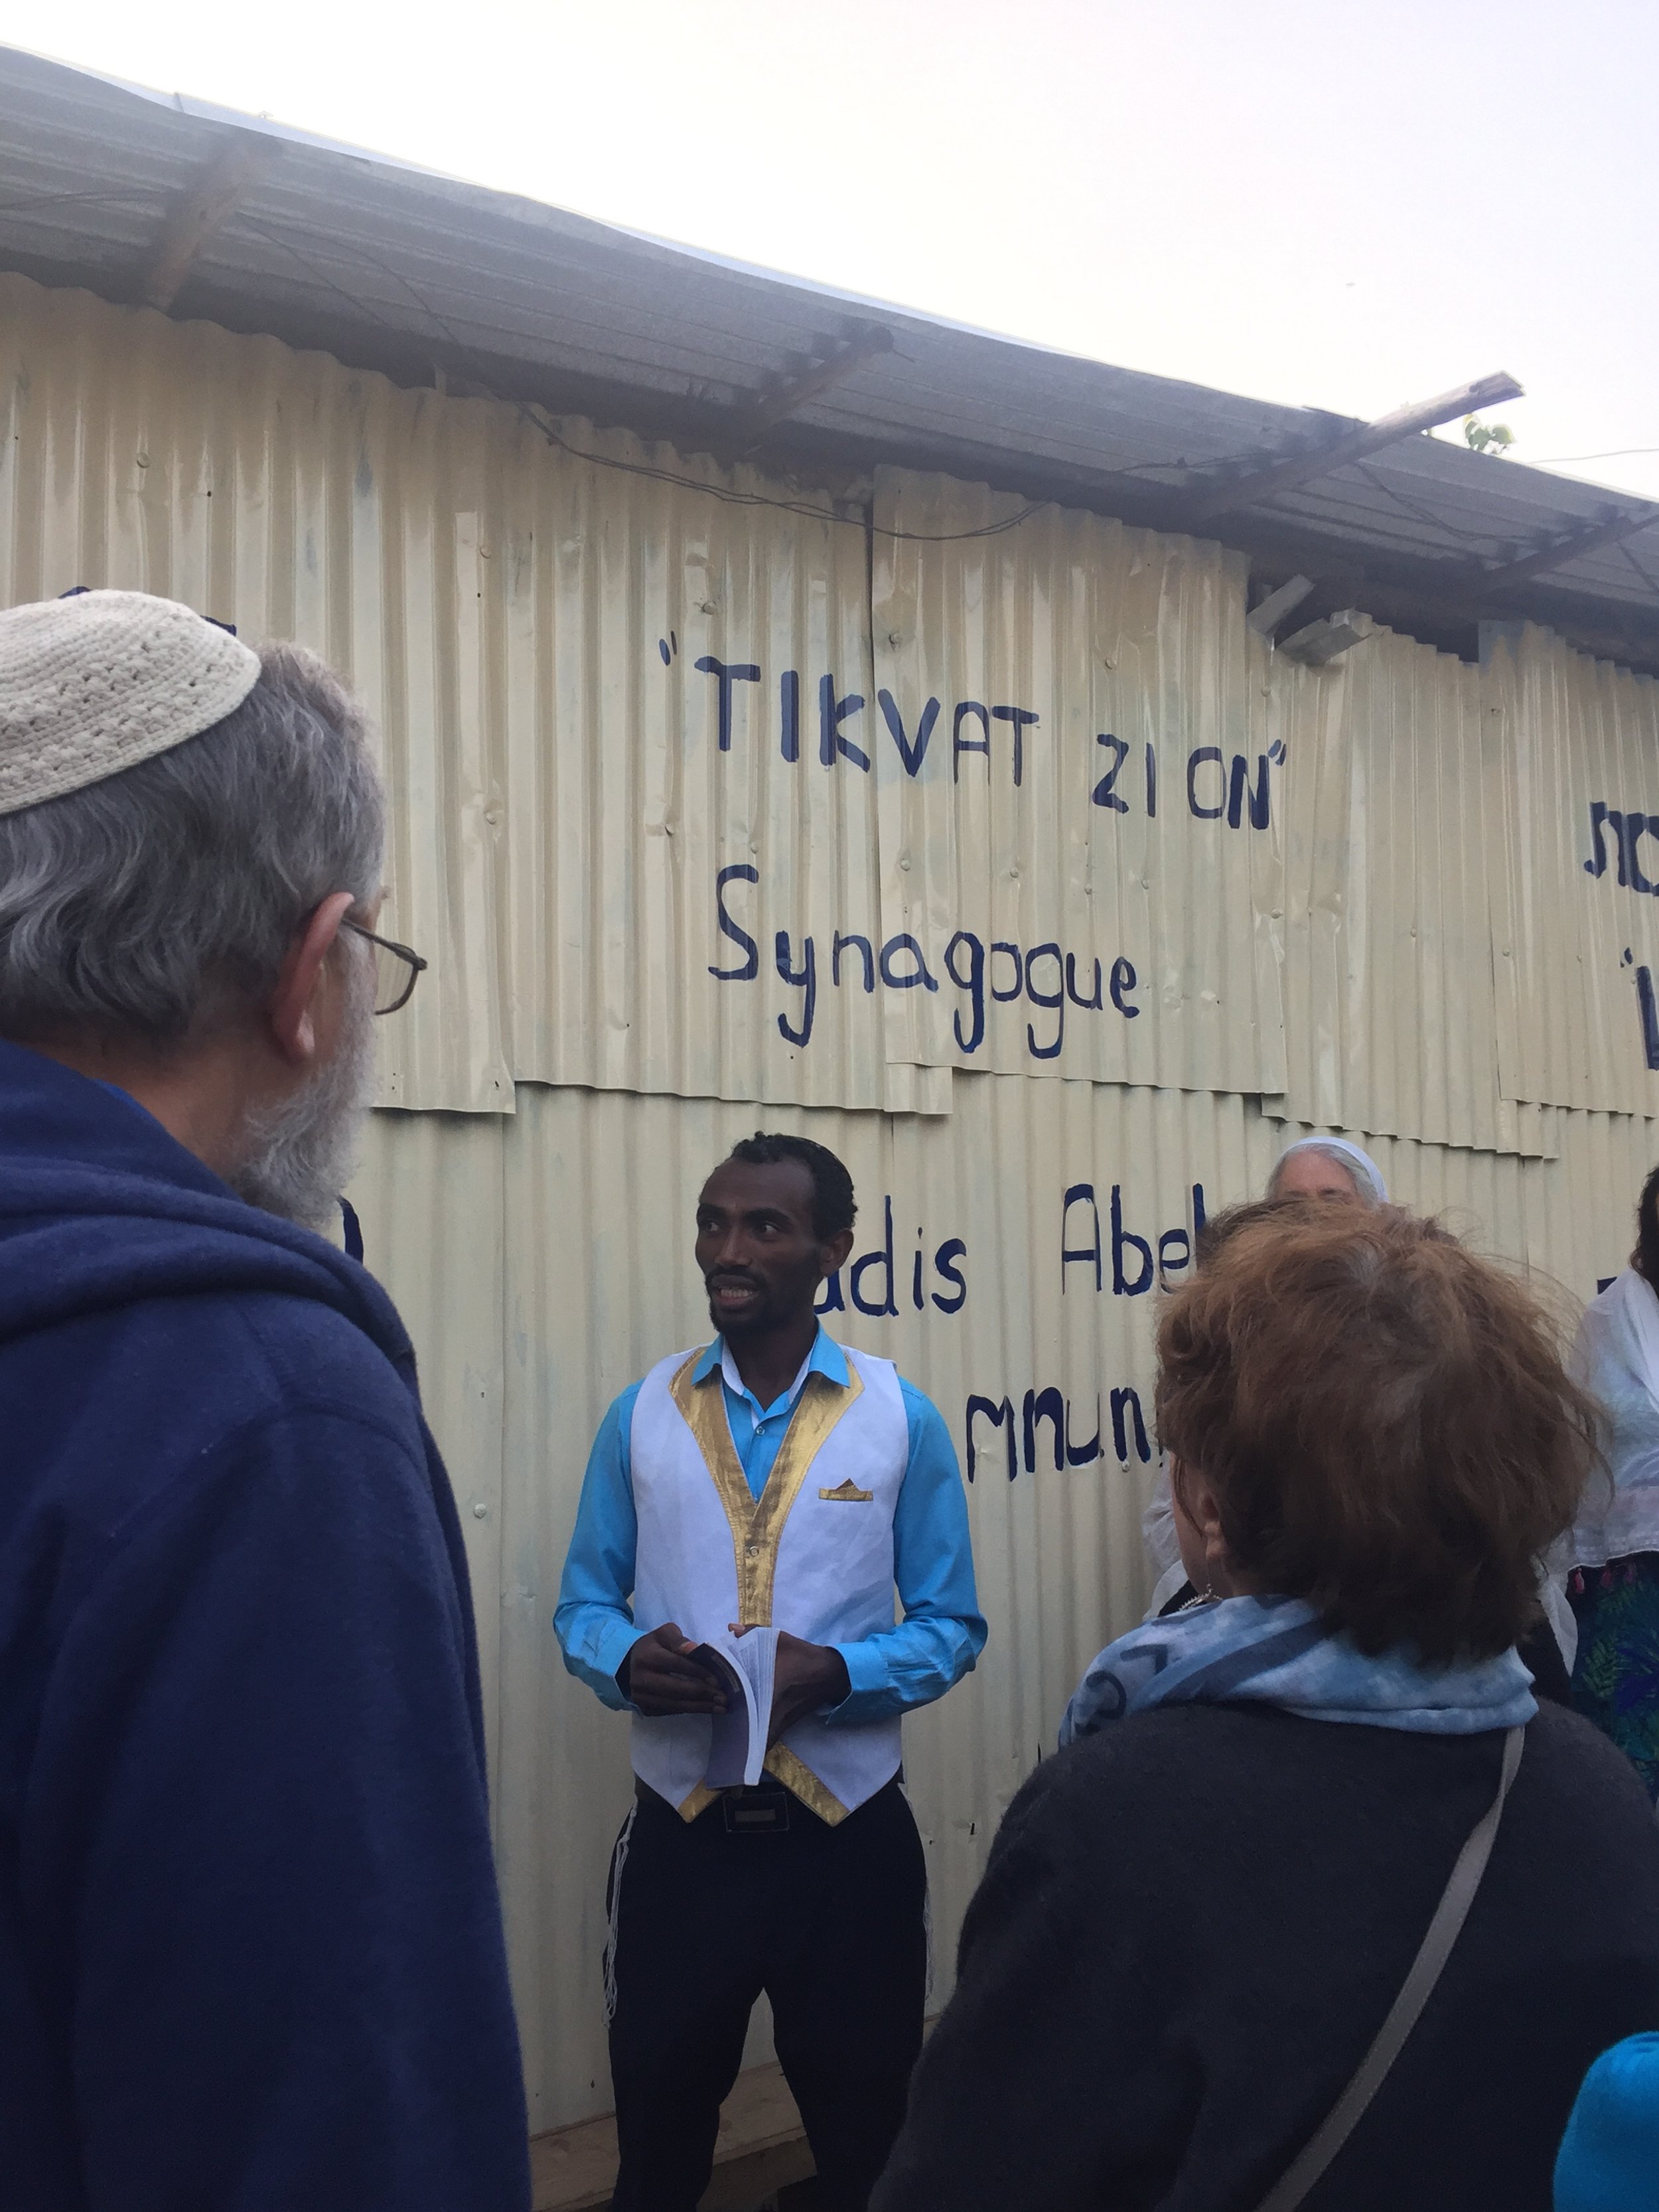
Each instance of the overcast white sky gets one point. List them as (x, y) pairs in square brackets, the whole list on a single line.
[(1311, 201)]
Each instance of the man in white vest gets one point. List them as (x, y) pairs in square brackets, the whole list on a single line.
[(776, 1479)]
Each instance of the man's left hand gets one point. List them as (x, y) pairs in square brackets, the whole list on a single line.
[(808, 1676)]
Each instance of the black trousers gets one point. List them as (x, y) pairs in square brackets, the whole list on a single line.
[(830, 1922)]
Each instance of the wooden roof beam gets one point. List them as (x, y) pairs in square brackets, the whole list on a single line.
[(1614, 524), (790, 394), (1353, 446), (1265, 619), (200, 210)]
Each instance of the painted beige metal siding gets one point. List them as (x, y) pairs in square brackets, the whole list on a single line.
[(1396, 863), (562, 805), (1408, 942), (276, 491), (569, 1226), (523, 624), (1131, 653), (1570, 946), (622, 809), (544, 1262)]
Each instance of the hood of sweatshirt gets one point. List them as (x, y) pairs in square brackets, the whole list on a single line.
[(101, 1208)]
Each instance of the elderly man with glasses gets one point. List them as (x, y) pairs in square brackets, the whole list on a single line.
[(251, 1951)]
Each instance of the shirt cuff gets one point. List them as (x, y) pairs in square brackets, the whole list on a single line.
[(866, 1670), (612, 1646)]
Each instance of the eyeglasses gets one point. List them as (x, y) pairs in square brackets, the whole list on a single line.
[(396, 969)]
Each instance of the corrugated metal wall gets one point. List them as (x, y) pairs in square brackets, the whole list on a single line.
[(544, 1262), (276, 491), (1397, 862), (1097, 802), (1355, 897), (527, 627), (1577, 946)]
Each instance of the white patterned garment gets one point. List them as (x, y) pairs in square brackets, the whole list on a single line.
[(1616, 1358), (1157, 1533)]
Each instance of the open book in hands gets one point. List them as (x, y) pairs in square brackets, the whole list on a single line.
[(744, 1667)]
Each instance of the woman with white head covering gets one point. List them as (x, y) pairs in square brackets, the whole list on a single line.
[(1614, 1586), (1328, 1167), (1335, 1170), (1313, 1167)]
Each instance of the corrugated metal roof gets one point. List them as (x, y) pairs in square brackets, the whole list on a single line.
[(391, 266)]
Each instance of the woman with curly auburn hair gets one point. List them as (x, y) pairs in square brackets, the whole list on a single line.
[(1317, 1902)]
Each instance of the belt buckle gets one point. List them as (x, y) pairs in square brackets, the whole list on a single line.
[(756, 1812)]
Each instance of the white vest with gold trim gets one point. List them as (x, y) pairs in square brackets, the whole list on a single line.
[(813, 1554)]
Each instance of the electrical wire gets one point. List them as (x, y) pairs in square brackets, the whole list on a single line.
[(1423, 514), (474, 372), (547, 428), (1646, 575), (1618, 453)]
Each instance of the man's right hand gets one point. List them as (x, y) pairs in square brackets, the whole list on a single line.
[(658, 1677)]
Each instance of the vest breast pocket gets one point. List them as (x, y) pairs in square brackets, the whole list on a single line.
[(848, 1493)]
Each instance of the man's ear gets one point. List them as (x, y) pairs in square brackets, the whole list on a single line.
[(291, 1013), (835, 1251)]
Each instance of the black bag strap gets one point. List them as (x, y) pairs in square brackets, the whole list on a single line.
[(1444, 1928)]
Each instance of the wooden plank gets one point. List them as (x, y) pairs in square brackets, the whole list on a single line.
[(199, 212), (760, 2147), (1266, 618), (778, 401), (744, 2184), (1353, 446), (1323, 641), (573, 2169), (1609, 531)]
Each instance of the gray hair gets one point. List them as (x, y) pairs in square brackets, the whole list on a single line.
[(1359, 1168), (154, 904)]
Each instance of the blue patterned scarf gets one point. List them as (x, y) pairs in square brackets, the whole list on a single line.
[(1277, 1651)]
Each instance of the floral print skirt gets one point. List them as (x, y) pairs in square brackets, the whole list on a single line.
[(1615, 1680)]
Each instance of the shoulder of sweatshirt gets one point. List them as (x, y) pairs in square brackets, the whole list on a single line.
[(111, 1415), (1163, 1786), (223, 1358)]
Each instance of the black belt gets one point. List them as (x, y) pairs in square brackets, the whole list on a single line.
[(761, 1809)]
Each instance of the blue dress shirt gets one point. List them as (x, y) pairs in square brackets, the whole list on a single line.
[(942, 1632)]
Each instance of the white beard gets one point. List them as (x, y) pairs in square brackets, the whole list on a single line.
[(303, 1152)]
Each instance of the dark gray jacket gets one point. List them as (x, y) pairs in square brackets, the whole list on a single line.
[(1192, 1925)]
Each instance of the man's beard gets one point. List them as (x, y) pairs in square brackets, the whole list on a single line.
[(305, 1151)]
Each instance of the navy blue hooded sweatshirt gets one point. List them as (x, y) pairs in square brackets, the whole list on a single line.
[(251, 1952)]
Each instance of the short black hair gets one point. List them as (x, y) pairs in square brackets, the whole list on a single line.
[(1645, 1258), (833, 1206)]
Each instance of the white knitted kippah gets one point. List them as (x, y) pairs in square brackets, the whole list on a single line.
[(94, 684)]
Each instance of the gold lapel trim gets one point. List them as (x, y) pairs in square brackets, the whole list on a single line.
[(819, 1407), (798, 1778), (699, 1801), (705, 1416), (757, 1524)]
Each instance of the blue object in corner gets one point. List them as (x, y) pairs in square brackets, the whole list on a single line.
[(1609, 2156)]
